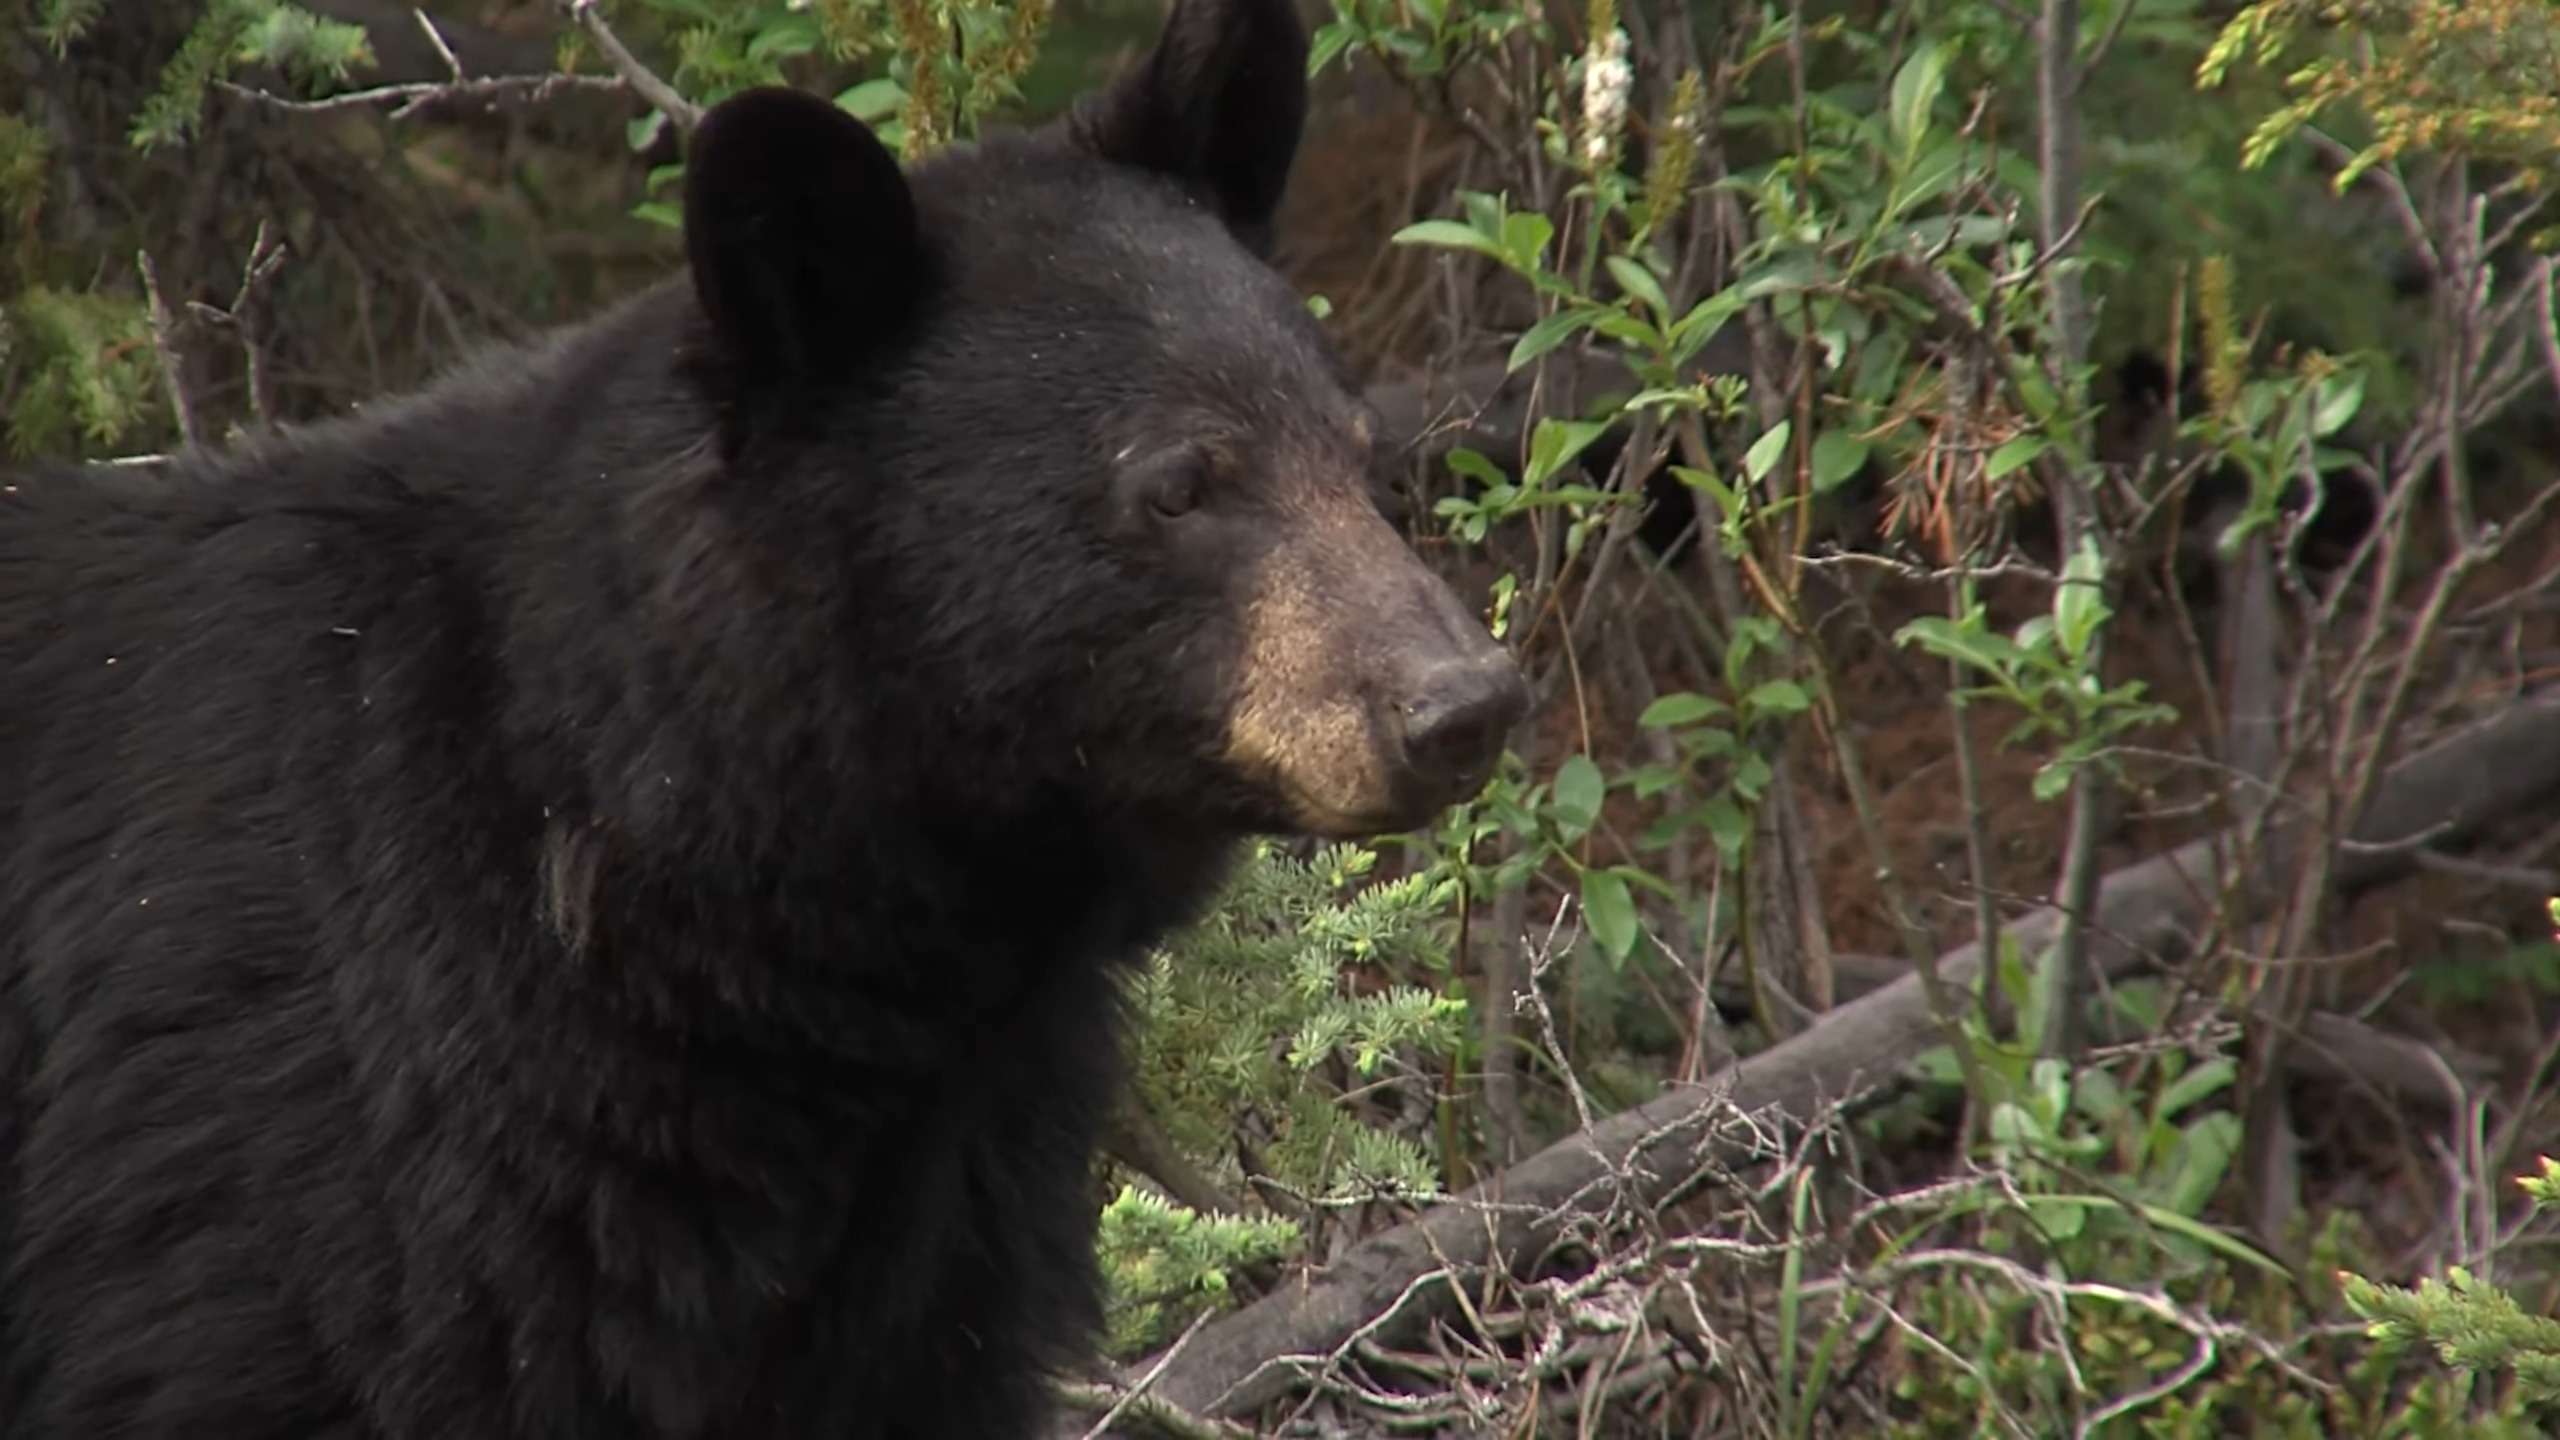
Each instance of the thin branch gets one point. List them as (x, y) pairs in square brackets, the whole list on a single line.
[(683, 113), (246, 320), (2075, 508), (2106, 43), (1132, 1136), (2504, 767), (1138, 1393), (435, 37), (426, 96), (173, 358)]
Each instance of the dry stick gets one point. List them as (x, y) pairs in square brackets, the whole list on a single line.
[(246, 320), (1132, 1135), (412, 98), (249, 317), (435, 37), (173, 356), (680, 112), (2327, 1047), (1503, 961), (2506, 766), (2058, 204), (2253, 695), (404, 50), (415, 98)]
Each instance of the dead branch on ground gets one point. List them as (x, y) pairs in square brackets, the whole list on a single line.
[(2145, 912)]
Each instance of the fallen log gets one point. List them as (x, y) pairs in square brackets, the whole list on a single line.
[(1243, 1361), (2334, 1049)]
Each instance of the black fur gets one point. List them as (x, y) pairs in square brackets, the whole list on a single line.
[(802, 238), (1217, 108), (584, 903)]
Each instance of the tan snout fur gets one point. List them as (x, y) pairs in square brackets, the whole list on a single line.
[(1324, 618), (1298, 726)]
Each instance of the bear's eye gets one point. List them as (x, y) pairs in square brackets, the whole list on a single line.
[(1176, 492)]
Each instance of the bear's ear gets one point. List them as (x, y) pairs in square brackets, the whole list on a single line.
[(1218, 106), (800, 231)]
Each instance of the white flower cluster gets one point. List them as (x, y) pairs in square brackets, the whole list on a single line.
[(1606, 79)]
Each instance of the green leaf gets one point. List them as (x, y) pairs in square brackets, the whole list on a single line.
[(1624, 328), (1579, 789), (1717, 492), (1725, 824), (1447, 234), (1915, 93), (1475, 467), (1549, 333), (2197, 1084), (873, 101), (2017, 451), (781, 36), (1765, 452), (2079, 602), (1777, 697), (1555, 443), (659, 212), (2338, 399), (1330, 42), (1702, 322), (1525, 234), (1937, 1065), (1785, 275), (1610, 911), (1684, 707), (1837, 455), (2056, 1217), (2097, 1095), (1638, 280), (2035, 634), (2199, 1162), (1942, 638), (2164, 1219), (1647, 781)]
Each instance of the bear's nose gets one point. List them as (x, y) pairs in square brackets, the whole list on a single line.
[(1459, 715)]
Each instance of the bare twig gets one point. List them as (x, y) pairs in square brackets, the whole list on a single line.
[(2106, 45), (2333, 1049), (1132, 1136), (417, 98), (2075, 509), (1501, 955), (435, 37), (1138, 1394), (683, 113), (173, 356), (246, 320), (1243, 1361)]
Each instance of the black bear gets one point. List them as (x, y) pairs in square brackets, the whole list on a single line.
[(588, 902)]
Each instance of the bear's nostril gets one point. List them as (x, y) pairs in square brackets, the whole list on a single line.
[(1459, 716)]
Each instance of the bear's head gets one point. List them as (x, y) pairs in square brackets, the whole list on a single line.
[(1090, 489)]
